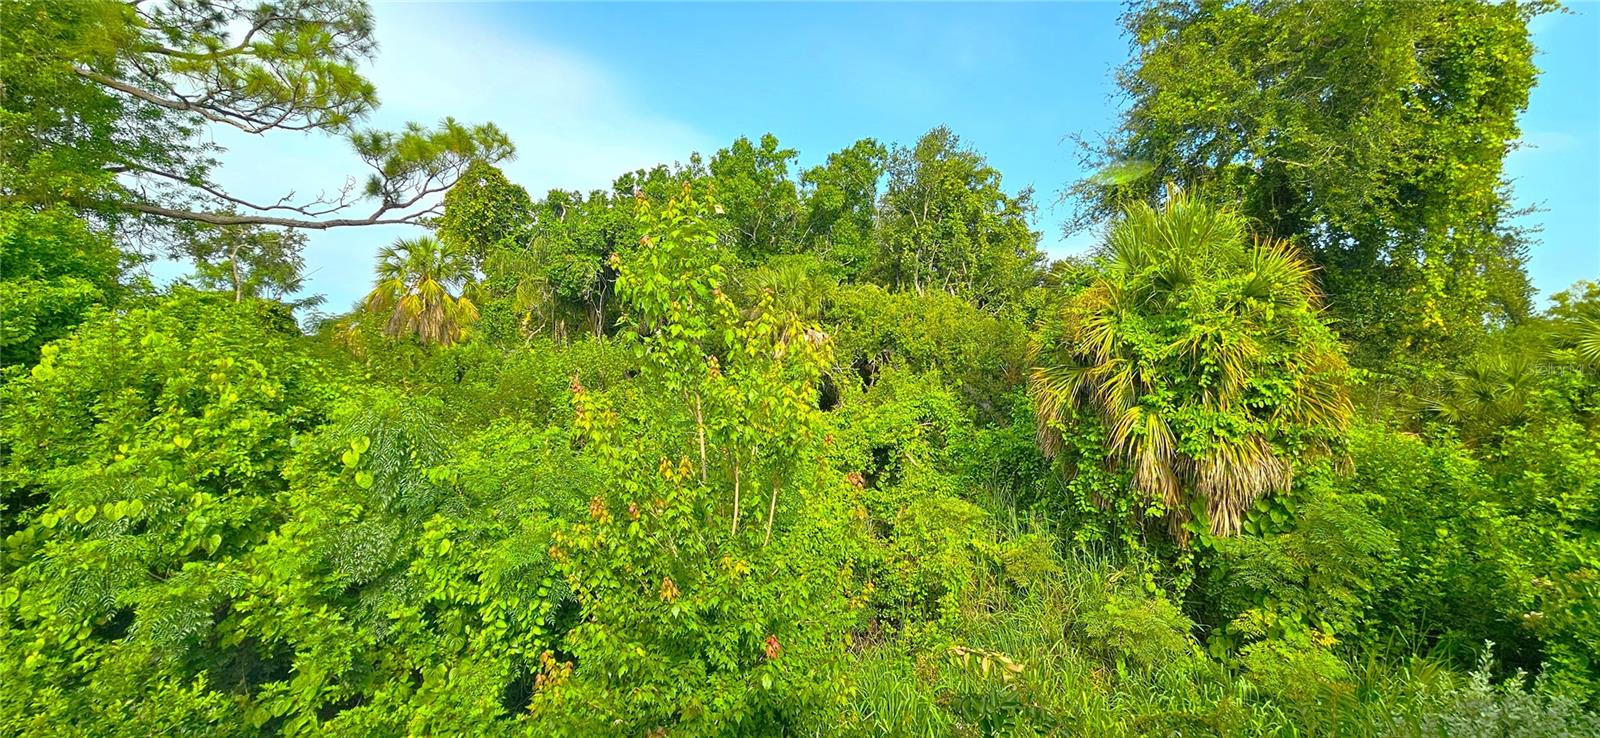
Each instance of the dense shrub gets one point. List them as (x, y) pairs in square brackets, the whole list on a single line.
[(143, 470)]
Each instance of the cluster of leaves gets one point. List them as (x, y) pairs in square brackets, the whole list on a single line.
[(53, 270)]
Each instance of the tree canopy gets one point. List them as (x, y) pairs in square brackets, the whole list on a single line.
[(1373, 134)]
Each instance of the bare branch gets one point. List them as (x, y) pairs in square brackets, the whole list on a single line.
[(309, 209), (227, 219)]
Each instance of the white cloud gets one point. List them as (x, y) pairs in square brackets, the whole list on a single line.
[(574, 122)]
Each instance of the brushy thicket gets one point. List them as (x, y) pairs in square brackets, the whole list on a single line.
[(735, 450), (219, 526)]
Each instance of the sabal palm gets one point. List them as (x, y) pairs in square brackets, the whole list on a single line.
[(1489, 392), (795, 288), (1202, 353), (1588, 340), (422, 284)]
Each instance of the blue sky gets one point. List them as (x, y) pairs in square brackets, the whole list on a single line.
[(588, 91)]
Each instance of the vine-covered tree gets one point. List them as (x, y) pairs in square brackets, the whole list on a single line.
[(1374, 134), (485, 212), (575, 239)]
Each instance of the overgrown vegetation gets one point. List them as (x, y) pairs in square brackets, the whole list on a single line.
[(738, 448)]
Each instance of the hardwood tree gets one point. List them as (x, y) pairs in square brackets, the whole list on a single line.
[(758, 196), (1374, 134), (841, 206), (248, 261), (945, 223)]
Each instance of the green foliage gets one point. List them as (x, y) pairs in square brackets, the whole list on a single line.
[(422, 285), (107, 105), (569, 264), (418, 161), (982, 354), (801, 285), (1308, 574), (757, 196), (1575, 313), (248, 261), (1499, 549), (1481, 708), (841, 205), (142, 471), (411, 571), (53, 271), (61, 131), (1203, 357), (1455, 571), (736, 448), (947, 225), (690, 622), (484, 212), (1382, 153), (1134, 628)]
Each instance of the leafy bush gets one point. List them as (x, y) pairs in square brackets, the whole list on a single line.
[(53, 270), (143, 471), (1482, 708), (980, 354)]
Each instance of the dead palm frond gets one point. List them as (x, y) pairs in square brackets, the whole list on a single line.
[(1189, 317)]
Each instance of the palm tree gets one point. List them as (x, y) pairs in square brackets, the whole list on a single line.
[(422, 284), (1489, 392), (1202, 354), (1588, 340)]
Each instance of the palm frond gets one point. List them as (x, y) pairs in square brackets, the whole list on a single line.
[(1188, 314)]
